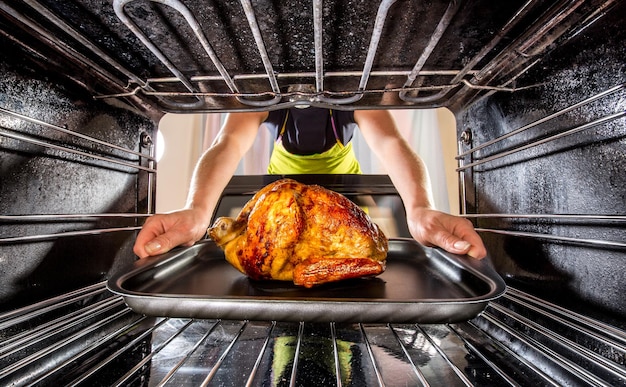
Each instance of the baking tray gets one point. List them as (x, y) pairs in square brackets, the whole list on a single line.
[(419, 285)]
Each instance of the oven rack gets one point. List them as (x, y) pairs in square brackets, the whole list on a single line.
[(495, 68), (67, 50), (319, 94), (547, 345), (342, 97)]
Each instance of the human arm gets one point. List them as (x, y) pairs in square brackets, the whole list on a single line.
[(162, 232), (409, 175)]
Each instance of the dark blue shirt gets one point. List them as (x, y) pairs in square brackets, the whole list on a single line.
[(309, 131)]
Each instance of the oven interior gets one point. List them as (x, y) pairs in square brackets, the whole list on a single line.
[(538, 89)]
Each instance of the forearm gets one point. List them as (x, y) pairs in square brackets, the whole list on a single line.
[(162, 232), (409, 175), (406, 170), (218, 164), (210, 177)]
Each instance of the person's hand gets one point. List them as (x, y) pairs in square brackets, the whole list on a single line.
[(163, 232), (452, 233)]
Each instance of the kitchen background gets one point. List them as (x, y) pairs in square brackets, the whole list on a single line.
[(183, 138)]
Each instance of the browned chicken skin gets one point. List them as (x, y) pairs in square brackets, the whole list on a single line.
[(302, 233)]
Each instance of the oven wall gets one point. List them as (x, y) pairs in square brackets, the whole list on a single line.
[(572, 163), (44, 171)]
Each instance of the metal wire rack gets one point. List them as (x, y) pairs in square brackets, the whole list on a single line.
[(494, 68), (547, 345)]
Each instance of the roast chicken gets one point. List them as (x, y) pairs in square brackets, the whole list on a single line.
[(307, 234)]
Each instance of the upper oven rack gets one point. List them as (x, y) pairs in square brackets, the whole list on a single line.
[(508, 52)]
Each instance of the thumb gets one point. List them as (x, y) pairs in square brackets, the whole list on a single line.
[(452, 243), (165, 242), (456, 245), (158, 245)]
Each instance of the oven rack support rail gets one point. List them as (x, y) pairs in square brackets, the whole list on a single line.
[(473, 151), (118, 157), (477, 156), (89, 334)]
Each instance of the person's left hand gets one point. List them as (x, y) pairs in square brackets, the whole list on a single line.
[(452, 233)]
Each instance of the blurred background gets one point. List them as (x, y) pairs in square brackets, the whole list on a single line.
[(183, 137)]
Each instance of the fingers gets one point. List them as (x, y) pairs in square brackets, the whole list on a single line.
[(149, 231), (464, 246), (161, 233), (461, 238), (453, 234), (159, 245), (152, 240), (477, 249)]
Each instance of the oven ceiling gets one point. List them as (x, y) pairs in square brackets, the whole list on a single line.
[(203, 56)]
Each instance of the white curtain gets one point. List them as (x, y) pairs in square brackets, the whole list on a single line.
[(419, 127), (256, 160)]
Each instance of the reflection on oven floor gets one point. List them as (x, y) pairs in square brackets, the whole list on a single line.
[(281, 354)]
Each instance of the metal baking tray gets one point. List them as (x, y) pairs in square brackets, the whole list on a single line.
[(420, 285)]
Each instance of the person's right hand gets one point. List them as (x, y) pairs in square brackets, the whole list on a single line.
[(163, 232), (452, 233)]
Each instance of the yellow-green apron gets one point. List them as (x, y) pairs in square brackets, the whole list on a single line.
[(336, 160), (340, 159)]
